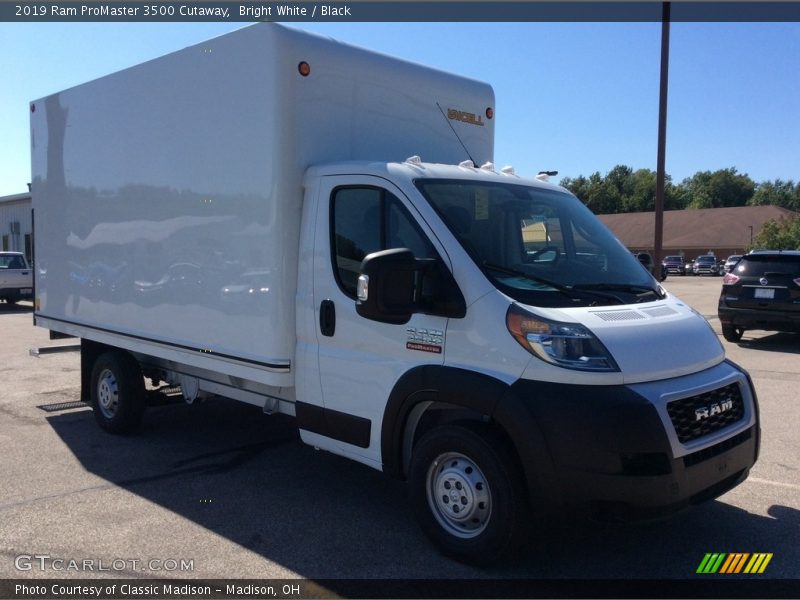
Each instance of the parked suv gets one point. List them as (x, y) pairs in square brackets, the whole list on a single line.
[(705, 265), (674, 264), (761, 292)]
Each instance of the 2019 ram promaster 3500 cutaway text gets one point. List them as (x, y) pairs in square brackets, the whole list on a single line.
[(319, 230)]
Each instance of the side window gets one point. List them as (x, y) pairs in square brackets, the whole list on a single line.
[(366, 220)]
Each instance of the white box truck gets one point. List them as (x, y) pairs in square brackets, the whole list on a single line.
[(250, 217)]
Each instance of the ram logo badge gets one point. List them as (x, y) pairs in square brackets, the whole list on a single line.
[(706, 412)]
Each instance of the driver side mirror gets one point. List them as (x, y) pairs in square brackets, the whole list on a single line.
[(393, 285), (388, 286)]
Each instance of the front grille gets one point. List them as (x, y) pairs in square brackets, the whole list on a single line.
[(708, 453), (700, 415)]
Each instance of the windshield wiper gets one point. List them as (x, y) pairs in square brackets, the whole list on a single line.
[(536, 278), (637, 290), (571, 291)]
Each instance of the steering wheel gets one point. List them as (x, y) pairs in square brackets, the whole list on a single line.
[(553, 249)]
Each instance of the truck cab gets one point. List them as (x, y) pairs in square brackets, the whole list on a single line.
[(457, 319)]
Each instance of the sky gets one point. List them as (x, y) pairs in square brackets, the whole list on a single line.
[(577, 98)]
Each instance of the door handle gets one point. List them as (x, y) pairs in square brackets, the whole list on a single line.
[(327, 318)]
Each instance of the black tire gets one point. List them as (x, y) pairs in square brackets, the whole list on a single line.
[(117, 392), (482, 481), (732, 333)]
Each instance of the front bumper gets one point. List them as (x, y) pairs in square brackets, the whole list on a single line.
[(615, 450), (16, 293)]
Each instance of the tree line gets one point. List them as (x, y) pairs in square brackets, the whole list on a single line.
[(624, 190)]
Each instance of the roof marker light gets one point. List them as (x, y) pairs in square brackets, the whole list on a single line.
[(489, 112), (466, 164), (487, 166), (304, 69), (414, 160), (508, 170), (546, 175)]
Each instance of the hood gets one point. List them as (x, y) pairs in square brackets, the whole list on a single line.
[(656, 340)]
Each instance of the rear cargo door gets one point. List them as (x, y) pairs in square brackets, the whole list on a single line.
[(360, 360)]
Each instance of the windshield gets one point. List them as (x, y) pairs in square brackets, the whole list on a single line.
[(12, 261), (541, 247)]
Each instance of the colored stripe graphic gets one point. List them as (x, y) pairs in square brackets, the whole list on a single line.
[(703, 563), (711, 563), (733, 563), (758, 563)]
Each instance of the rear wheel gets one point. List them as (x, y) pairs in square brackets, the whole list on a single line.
[(467, 493), (117, 392), (732, 333)]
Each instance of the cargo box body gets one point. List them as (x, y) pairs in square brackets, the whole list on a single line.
[(173, 189)]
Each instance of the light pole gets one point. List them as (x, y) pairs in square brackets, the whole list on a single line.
[(662, 134)]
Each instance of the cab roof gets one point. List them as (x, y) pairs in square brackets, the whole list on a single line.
[(412, 169)]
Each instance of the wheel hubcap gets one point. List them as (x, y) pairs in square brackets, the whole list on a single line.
[(459, 495), (107, 394)]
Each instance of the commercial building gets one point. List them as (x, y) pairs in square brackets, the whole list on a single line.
[(692, 232)]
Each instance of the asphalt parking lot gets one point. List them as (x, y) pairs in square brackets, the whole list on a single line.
[(235, 493)]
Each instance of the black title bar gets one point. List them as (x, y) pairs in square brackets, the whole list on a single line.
[(389, 11), (300, 589)]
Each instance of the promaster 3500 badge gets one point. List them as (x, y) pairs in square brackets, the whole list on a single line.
[(425, 340)]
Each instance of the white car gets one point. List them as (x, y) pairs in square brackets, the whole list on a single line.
[(731, 261), (16, 277)]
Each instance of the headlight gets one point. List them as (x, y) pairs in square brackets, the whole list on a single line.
[(568, 345)]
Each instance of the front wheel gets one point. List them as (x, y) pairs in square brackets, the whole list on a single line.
[(117, 392), (731, 333), (467, 493)]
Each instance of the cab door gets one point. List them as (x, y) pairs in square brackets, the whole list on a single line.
[(360, 360)]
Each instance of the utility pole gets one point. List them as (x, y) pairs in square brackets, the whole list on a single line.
[(662, 135)]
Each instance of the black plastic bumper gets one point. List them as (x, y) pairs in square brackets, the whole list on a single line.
[(609, 452)]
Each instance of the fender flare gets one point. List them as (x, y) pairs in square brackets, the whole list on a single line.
[(481, 394)]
